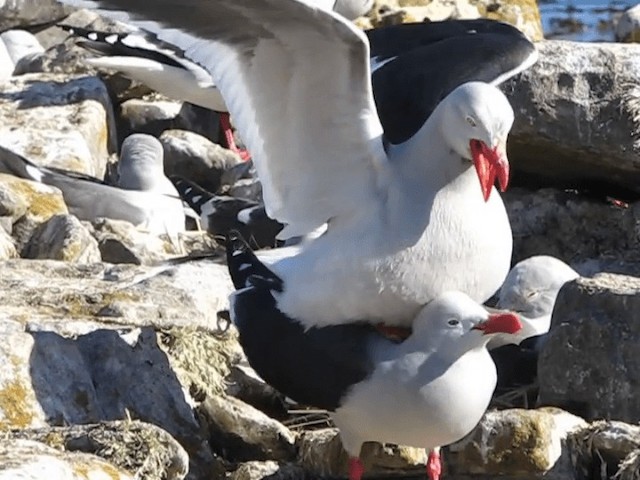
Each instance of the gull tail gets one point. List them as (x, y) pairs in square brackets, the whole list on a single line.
[(192, 193), (245, 268)]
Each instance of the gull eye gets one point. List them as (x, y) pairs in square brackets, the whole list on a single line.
[(470, 121), (453, 322)]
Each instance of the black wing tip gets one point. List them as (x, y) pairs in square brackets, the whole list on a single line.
[(245, 268)]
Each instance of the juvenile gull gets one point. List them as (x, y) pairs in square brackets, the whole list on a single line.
[(429, 391), (405, 222), (89, 198)]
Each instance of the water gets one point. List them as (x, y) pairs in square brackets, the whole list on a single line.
[(586, 20)]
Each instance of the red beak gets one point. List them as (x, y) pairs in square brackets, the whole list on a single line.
[(490, 163), (500, 323)]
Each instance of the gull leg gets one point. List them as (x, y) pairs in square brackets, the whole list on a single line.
[(225, 124), (356, 469), (434, 465)]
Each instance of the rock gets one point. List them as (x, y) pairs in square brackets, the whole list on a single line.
[(321, 452), (245, 433), (138, 447), (577, 117), (243, 170), (628, 26), (269, 470), (7, 247), (65, 296), (122, 242), (522, 14), (29, 460), (58, 120), (608, 447), (63, 237), (244, 384), (517, 442), (155, 114), (22, 13), (589, 362), (588, 233), (196, 158)]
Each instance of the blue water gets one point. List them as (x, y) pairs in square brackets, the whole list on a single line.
[(588, 21)]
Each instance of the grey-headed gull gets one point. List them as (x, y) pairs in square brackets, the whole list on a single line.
[(14, 46), (429, 391), (404, 222), (222, 214), (143, 197)]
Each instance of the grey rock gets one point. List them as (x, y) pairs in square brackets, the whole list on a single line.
[(610, 448), (269, 470), (250, 188), (7, 247), (31, 460), (589, 234), (516, 442), (196, 158), (577, 115), (255, 435), (628, 26), (63, 237), (64, 296), (244, 384), (589, 363), (243, 170), (58, 120), (16, 13), (320, 452), (141, 448)]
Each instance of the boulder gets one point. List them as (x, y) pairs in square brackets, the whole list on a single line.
[(196, 158), (628, 26), (321, 453), (516, 442), (29, 460), (269, 470), (22, 13), (63, 237), (577, 118), (141, 448), (7, 247), (244, 433), (589, 363), (58, 120), (522, 14)]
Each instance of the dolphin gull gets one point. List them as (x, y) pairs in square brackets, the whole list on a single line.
[(441, 375), (404, 222), (151, 207), (530, 289)]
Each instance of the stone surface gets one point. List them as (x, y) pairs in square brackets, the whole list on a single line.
[(577, 116), (250, 188), (590, 234), (516, 442), (196, 158), (269, 470), (589, 363), (63, 295), (523, 14), (63, 237), (256, 436), (628, 26), (20, 13), (58, 120), (7, 247), (29, 460), (321, 453), (141, 448), (609, 448)]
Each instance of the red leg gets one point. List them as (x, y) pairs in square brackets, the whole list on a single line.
[(356, 469), (225, 124), (434, 465)]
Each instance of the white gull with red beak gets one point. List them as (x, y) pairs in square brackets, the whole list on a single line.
[(403, 222)]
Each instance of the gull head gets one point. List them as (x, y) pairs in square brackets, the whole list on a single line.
[(454, 317), (477, 118)]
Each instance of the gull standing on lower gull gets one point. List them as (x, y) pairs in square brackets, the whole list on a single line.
[(404, 222), (431, 390)]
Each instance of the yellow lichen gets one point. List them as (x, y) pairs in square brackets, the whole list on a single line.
[(14, 406)]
